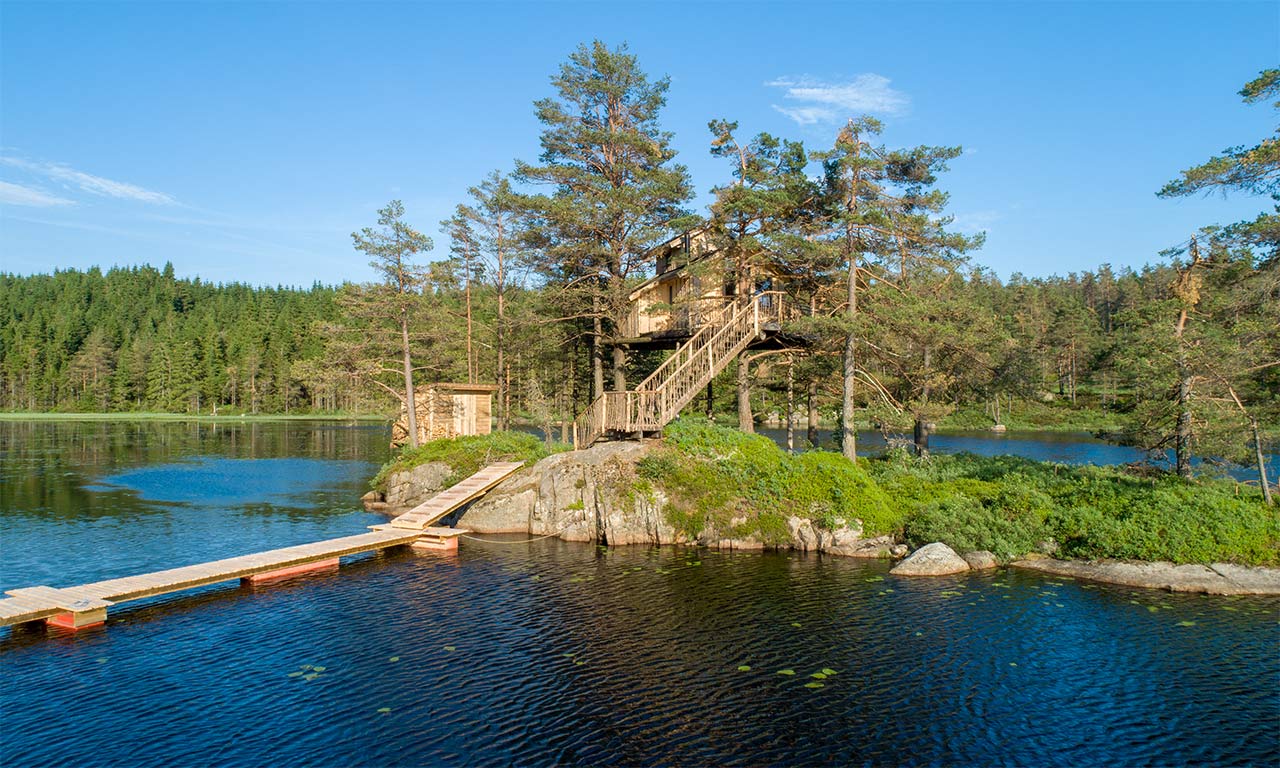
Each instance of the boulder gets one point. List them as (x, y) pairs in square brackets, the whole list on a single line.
[(981, 560), (1215, 579), (408, 489), (589, 495), (803, 535), (936, 559)]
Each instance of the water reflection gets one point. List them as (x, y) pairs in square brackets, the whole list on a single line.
[(544, 653)]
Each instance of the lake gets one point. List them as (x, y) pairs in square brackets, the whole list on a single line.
[(547, 652)]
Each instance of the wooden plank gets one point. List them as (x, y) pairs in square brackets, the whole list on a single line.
[(449, 500)]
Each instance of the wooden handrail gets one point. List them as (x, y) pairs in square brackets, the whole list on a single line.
[(659, 398)]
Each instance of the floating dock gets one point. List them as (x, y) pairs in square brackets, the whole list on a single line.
[(86, 605)]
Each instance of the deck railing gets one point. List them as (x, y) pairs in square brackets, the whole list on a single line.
[(726, 331)]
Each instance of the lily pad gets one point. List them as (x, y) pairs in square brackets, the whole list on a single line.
[(394, 658), (384, 710), (787, 672), (317, 669), (310, 676), (450, 648), (815, 685), (1153, 608), (299, 673), (795, 624), (818, 676), (744, 668), (1186, 623), (828, 671)]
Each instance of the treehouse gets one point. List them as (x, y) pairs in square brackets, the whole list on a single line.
[(693, 282), (447, 410), (706, 308)]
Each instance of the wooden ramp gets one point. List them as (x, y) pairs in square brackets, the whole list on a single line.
[(431, 510), (86, 605)]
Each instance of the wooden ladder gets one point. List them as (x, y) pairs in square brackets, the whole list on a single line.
[(660, 397)]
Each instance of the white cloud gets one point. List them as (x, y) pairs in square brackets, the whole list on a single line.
[(87, 182), (16, 194), (807, 115), (830, 101), (973, 222)]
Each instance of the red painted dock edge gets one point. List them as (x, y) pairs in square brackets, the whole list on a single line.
[(78, 621), (284, 573)]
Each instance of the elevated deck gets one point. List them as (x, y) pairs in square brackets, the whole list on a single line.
[(86, 605)]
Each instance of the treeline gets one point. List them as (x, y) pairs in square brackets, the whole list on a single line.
[(140, 339), (895, 326)]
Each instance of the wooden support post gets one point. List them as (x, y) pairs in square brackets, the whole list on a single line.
[(330, 564), (439, 539), (76, 620)]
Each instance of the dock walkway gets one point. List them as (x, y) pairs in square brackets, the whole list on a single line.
[(86, 605)]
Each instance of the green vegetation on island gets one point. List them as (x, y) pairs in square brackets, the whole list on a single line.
[(744, 485)]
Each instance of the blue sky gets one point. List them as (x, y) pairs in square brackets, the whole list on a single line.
[(246, 141)]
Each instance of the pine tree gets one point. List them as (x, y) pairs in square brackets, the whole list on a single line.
[(616, 190)]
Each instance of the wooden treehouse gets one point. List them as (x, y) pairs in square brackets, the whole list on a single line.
[(447, 410), (696, 305)]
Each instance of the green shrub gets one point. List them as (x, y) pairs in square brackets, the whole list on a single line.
[(1008, 504), (712, 474), (467, 455)]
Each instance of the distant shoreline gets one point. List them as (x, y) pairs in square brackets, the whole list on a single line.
[(45, 416)]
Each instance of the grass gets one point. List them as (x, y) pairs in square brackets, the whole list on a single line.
[(1032, 415), (714, 476), (1008, 505), (742, 485), (1011, 505), (466, 455)]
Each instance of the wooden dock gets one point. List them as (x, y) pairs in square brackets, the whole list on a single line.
[(433, 509), (86, 605)]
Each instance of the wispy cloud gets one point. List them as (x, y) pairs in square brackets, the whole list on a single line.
[(87, 182), (973, 222), (16, 194), (823, 101)]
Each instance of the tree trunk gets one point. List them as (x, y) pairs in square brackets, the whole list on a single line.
[(791, 409), (597, 354), (811, 431), (711, 401), (619, 368), (504, 415), (504, 418), (920, 433), (411, 404), (1182, 438), (745, 421), (1262, 463)]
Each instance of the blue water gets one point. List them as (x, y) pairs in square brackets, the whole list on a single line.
[(552, 653)]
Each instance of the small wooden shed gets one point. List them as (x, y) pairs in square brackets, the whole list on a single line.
[(448, 410)]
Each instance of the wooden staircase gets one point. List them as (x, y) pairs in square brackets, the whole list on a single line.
[(659, 398)]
